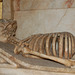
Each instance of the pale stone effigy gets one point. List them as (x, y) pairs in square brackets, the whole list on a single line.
[(40, 45)]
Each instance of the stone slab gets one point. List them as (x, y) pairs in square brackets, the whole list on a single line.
[(52, 68), (42, 4), (9, 6), (45, 21), (9, 71)]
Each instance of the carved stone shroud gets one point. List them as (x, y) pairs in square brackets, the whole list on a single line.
[(10, 17), (43, 65), (39, 45), (44, 46)]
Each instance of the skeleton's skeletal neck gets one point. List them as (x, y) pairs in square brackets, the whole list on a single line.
[(13, 40)]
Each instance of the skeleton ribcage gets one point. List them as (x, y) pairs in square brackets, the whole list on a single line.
[(56, 44)]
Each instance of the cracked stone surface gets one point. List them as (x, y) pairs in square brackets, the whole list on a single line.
[(42, 62), (45, 21)]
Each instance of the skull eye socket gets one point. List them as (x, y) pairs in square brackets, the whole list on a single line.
[(9, 27), (13, 34)]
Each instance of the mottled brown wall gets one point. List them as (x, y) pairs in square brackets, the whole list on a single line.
[(7, 10), (0, 10)]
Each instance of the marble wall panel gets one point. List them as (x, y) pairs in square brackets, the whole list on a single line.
[(45, 21), (42, 4), (7, 9)]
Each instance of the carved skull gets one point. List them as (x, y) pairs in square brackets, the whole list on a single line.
[(7, 29)]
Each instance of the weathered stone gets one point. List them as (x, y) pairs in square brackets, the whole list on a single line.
[(8, 71), (22, 5), (16, 4), (7, 9), (45, 21), (0, 10), (42, 4), (40, 21)]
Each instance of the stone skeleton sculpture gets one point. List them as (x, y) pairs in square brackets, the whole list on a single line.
[(59, 47), (8, 29)]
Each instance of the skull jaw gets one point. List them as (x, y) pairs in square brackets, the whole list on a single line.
[(3, 39)]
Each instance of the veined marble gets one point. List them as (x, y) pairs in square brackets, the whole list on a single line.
[(42, 4), (45, 21)]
